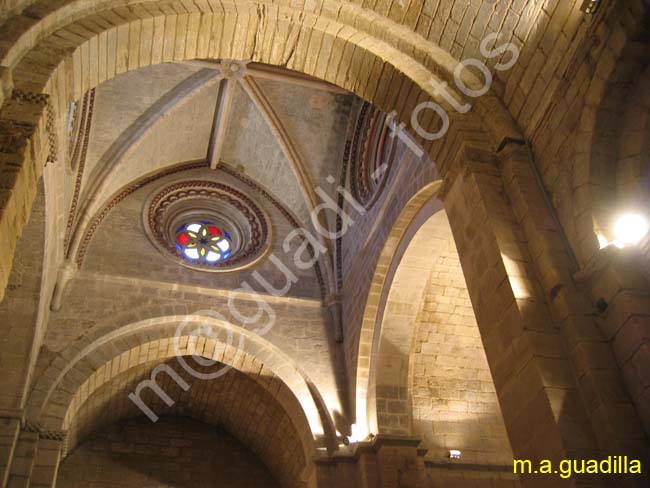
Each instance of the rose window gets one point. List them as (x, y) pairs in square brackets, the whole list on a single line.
[(203, 242), (207, 225)]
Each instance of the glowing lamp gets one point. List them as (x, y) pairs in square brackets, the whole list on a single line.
[(629, 229), (454, 454)]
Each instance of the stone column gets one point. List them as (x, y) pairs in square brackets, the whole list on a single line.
[(620, 286), (613, 417), (23, 461), (538, 392), (383, 462), (9, 430), (24, 149), (333, 304), (46, 465), (398, 462), (367, 468), (19, 314)]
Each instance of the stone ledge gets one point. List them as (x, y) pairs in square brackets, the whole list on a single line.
[(353, 452)]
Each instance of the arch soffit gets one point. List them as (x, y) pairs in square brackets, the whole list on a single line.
[(58, 386), (419, 208)]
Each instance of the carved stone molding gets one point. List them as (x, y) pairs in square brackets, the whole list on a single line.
[(52, 435), (205, 200)]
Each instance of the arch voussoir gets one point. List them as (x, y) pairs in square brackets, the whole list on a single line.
[(60, 388)]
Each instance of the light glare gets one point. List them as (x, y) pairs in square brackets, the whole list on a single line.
[(630, 229), (602, 241)]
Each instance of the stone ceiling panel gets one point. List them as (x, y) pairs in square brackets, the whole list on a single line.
[(316, 121), (176, 136), (251, 146), (120, 101)]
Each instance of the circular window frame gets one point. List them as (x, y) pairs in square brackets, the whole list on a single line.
[(183, 202)]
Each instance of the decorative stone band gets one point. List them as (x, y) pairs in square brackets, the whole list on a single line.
[(52, 435), (125, 192), (43, 100), (366, 150), (28, 426), (223, 205), (252, 184), (371, 155), (34, 98), (78, 152)]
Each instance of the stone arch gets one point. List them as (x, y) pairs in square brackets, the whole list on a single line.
[(613, 166), (421, 206), (61, 386), (637, 159), (419, 289), (369, 31), (615, 100), (82, 45), (254, 407), (633, 165), (619, 153), (451, 396), (402, 296), (394, 66)]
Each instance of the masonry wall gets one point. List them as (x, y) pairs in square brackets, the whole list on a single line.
[(398, 323), (457, 477), (453, 396), (300, 328), (564, 128), (176, 452), (19, 309), (365, 241)]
